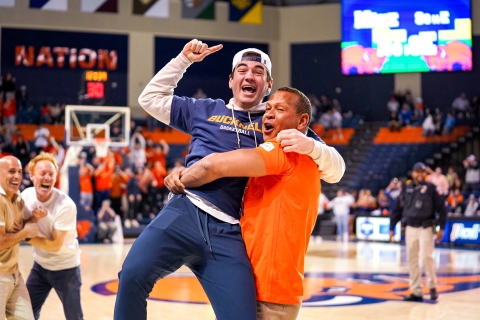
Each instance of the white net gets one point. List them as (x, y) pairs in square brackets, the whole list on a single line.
[(101, 147)]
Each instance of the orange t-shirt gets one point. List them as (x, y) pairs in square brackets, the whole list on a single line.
[(159, 173), (103, 178), (86, 180), (155, 156), (118, 182), (280, 210), (10, 108)]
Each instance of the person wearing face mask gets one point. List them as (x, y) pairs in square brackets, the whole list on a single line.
[(421, 208), (212, 247), (56, 251)]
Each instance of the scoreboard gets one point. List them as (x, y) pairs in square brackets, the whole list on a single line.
[(392, 36), (94, 84)]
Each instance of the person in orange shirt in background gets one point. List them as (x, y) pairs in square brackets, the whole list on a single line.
[(9, 110), (117, 155), (455, 195), (280, 204), (103, 179), (159, 172), (158, 152), (85, 173)]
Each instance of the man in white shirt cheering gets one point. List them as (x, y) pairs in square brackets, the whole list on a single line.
[(56, 251)]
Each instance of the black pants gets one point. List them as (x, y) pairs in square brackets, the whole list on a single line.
[(66, 283)]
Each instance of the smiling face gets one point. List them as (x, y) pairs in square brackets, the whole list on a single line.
[(418, 176), (43, 177), (249, 84), (10, 175), (281, 113)]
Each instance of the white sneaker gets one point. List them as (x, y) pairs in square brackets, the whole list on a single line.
[(135, 224), (127, 223)]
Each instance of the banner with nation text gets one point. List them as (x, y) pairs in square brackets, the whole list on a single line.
[(55, 5), (198, 9), (246, 11), (151, 8), (110, 6), (53, 64)]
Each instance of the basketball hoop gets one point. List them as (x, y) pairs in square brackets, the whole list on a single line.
[(101, 146)]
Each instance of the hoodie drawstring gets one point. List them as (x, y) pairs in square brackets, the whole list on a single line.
[(206, 235), (253, 129), (236, 130), (251, 124)]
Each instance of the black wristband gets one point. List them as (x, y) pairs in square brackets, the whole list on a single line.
[(27, 239)]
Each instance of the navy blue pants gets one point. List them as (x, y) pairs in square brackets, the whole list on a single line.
[(214, 250), (67, 285)]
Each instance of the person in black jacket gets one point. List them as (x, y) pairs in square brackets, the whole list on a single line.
[(421, 208)]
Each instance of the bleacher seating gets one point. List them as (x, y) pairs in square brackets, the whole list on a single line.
[(385, 161), (394, 153)]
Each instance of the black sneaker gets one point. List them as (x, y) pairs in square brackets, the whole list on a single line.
[(413, 297), (433, 294)]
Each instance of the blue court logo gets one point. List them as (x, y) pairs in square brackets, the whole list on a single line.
[(320, 289)]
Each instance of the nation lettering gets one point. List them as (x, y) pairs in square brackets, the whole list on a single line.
[(84, 58)]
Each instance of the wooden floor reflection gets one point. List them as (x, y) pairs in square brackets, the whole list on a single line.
[(343, 281)]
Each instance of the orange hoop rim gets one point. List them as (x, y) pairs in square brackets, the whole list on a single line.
[(101, 146)]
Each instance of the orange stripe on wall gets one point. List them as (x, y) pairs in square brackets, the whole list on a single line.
[(58, 131), (414, 135)]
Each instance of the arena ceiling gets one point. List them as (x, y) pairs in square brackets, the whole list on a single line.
[(286, 3)]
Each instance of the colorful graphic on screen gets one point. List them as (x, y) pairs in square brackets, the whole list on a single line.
[(392, 36)]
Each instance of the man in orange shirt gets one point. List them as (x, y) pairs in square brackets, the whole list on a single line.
[(157, 152), (159, 172), (85, 173), (103, 179), (280, 204)]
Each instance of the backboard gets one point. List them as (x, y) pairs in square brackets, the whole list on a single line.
[(84, 124)]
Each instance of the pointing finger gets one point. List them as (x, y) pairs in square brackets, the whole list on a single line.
[(211, 50)]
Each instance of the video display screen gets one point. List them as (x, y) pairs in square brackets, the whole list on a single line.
[(393, 36)]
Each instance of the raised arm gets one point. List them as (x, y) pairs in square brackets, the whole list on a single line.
[(238, 163), (165, 147), (156, 98), (329, 161)]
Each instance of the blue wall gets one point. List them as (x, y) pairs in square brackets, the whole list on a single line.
[(316, 69)]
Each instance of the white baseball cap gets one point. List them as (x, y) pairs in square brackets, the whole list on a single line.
[(263, 58)]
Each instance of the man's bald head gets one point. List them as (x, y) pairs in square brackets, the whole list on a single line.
[(10, 175), (9, 161)]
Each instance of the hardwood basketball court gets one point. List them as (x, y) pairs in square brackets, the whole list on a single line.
[(362, 280)]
